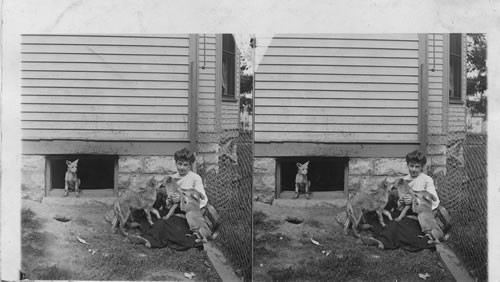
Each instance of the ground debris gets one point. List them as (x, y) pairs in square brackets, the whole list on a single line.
[(62, 218)]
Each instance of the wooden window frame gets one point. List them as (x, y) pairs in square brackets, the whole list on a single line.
[(230, 54), (455, 73)]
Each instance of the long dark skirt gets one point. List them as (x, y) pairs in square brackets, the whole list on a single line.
[(173, 233), (406, 233)]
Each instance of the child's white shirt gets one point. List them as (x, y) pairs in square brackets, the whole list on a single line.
[(423, 182), (192, 181)]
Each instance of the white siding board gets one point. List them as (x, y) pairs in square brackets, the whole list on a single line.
[(334, 94), (118, 40), (339, 78), (95, 109), (104, 67), (294, 119), (327, 137), (97, 100), (103, 50), (105, 117), (127, 84), (342, 43), (338, 103), (359, 110), (340, 52), (121, 76), (327, 128), (340, 70), (298, 85), (83, 125), (103, 92), (94, 58), (104, 135), (343, 61)]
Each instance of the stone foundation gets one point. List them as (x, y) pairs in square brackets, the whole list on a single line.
[(264, 182), (364, 174), (135, 171), (33, 177)]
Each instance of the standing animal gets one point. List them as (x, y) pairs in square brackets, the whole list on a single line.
[(132, 200), (403, 190), (71, 180), (204, 225), (422, 205), (301, 182), (364, 202)]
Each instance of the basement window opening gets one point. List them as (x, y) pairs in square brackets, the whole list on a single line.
[(327, 174), (94, 172)]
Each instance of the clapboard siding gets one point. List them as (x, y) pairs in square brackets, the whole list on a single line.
[(435, 86), (338, 88), (206, 85), (105, 87)]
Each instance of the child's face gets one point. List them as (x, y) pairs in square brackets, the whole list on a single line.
[(415, 169), (183, 167)]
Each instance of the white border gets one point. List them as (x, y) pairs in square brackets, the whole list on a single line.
[(263, 16)]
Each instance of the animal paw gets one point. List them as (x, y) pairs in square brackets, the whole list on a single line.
[(66, 193), (397, 219), (296, 195)]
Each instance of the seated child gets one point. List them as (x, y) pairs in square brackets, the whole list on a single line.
[(405, 233), (187, 179)]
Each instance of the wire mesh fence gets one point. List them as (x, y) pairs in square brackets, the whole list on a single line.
[(462, 191), (227, 173)]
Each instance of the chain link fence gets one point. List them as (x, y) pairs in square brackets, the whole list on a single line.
[(463, 192), (227, 173)]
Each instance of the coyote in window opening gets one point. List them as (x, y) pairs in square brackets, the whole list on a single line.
[(301, 182), (71, 180)]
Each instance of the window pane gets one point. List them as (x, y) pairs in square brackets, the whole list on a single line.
[(228, 65), (455, 66)]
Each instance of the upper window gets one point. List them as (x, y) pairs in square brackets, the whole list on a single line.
[(228, 66), (455, 66)]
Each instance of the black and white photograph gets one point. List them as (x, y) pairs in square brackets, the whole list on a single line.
[(370, 153), (257, 140), (134, 154)]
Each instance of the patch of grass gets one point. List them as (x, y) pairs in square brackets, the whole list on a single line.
[(277, 240), (28, 221), (51, 273), (262, 223), (313, 223)]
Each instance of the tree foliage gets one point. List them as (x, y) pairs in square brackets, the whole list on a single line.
[(476, 71)]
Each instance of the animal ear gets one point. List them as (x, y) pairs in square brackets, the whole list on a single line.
[(306, 163), (299, 165), (201, 196), (76, 162), (68, 162), (152, 181)]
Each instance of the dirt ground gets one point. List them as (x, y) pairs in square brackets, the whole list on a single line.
[(51, 250), (283, 250)]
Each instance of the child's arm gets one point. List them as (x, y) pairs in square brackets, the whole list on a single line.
[(429, 186), (198, 186)]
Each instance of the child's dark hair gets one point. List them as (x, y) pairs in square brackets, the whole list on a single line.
[(184, 155), (416, 157)]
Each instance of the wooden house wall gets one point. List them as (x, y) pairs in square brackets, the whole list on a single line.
[(96, 87), (207, 99), (338, 88)]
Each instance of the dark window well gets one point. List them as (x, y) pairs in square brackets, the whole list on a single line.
[(325, 174), (228, 66), (455, 67), (95, 172)]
